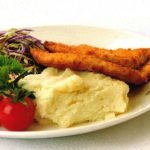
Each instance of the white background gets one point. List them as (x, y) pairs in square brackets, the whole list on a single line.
[(133, 15)]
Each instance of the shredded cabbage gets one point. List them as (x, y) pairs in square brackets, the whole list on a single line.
[(16, 43)]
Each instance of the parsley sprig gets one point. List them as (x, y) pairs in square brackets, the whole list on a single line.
[(11, 71)]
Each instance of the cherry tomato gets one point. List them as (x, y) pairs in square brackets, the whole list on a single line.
[(16, 116)]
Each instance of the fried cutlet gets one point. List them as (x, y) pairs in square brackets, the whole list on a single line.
[(133, 58), (89, 63)]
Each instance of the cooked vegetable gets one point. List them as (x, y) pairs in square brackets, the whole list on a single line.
[(16, 116), (16, 43)]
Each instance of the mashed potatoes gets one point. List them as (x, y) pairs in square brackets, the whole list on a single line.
[(68, 97)]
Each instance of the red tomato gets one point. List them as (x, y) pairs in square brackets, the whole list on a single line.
[(16, 116), (1, 97)]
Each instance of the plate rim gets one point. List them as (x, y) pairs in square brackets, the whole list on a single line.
[(76, 130)]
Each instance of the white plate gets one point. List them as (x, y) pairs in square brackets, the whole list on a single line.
[(139, 98)]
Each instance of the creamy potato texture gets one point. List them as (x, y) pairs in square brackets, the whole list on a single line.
[(69, 97)]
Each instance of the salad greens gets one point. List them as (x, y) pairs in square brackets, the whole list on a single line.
[(16, 44), (16, 61), (11, 70), (9, 67)]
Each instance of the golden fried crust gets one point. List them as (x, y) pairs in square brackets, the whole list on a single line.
[(145, 70), (125, 57), (88, 63)]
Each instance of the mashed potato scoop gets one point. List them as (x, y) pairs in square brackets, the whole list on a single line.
[(68, 97)]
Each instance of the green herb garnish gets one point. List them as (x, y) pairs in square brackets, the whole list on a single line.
[(11, 71)]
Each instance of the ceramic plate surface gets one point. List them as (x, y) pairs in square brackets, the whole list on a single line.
[(139, 102)]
